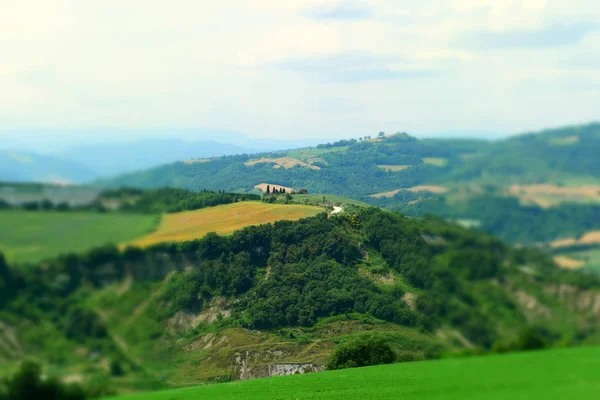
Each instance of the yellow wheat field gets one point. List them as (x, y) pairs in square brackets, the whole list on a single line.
[(223, 220)]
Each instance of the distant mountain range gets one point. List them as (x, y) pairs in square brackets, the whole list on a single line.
[(81, 163), (21, 166)]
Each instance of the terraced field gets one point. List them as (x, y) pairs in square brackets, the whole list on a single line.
[(546, 375), (189, 225)]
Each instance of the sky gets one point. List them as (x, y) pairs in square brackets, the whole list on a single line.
[(296, 69)]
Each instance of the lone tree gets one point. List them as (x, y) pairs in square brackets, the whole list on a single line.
[(268, 189), (381, 134), (362, 351)]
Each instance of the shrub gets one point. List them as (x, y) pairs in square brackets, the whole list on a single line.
[(28, 384), (530, 339), (362, 351), (116, 369)]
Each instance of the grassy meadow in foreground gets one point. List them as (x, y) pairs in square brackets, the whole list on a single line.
[(31, 236), (226, 219), (553, 374)]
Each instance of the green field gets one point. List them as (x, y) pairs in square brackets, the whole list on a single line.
[(31, 236), (553, 374), (590, 256), (305, 154), (330, 198)]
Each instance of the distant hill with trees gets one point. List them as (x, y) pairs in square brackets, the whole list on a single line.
[(449, 177)]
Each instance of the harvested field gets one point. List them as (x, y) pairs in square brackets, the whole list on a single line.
[(590, 238), (189, 225), (263, 187), (421, 188), (568, 262), (394, 168), (547, 195), (198, 161), (283, 162), (435, 161), (564, 141)]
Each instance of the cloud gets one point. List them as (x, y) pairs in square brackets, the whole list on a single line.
[(547, 37), (265, 67), (345, 10), (353, 67)]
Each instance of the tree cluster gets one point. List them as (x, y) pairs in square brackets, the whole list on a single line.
[(29, 384)]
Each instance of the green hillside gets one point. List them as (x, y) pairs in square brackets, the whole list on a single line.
[(527, 189), (352, 168), (219, 308), (556, 374)]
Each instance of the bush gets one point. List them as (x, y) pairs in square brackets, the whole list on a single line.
[(116, 369), (530, 339), (361, 352), (28, 384)]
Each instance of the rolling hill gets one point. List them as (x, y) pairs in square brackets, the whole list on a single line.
[(527, 189), (556, 374), (564, 157)]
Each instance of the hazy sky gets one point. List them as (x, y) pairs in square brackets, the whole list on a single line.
[(287, 68)]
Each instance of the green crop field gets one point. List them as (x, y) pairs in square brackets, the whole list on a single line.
[(553, 374), (31, 236), (305, 154)]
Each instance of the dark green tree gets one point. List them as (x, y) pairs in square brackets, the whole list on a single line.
[(363, 351), (28, 384)]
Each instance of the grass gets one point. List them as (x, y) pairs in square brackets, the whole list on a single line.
[(283, 162), (329, 199), (553, 374), (306, 154), (437, 162), (564, 141), (189, 225), (31, 236)]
